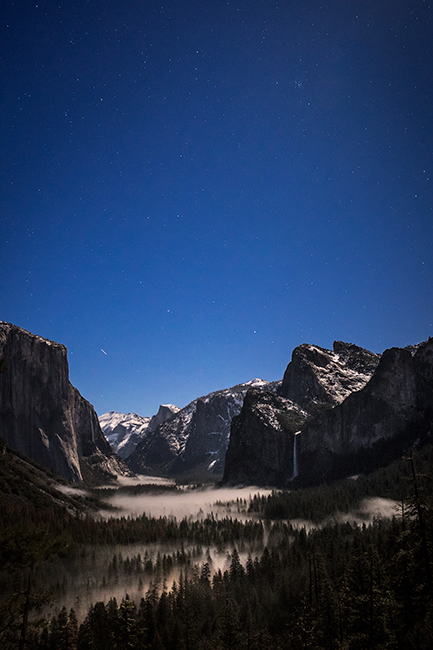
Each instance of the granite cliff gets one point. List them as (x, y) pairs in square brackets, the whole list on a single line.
[(260, 451), (43, 416), (376, 424), (339, 412), (264, 437), (327, 376)]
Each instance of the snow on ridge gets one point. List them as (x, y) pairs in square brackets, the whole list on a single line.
[(336, 377), (176, 431), (256, 382), (123, 430), (109, 421)]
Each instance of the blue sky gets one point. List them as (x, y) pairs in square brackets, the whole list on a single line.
[(190, 190)]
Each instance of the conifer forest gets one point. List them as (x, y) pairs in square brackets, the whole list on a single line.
[(281, 571)]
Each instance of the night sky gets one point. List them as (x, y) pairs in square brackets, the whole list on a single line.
[(192, 189)]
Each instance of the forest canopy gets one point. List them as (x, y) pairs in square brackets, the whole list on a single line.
[(337, 583)]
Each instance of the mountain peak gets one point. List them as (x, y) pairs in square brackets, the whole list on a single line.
[(316, 374)]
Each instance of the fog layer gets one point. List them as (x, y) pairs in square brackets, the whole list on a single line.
[(186, 503)]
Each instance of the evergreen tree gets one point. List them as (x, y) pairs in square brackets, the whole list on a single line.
[(236, 570), (229, 627), (127, 628)]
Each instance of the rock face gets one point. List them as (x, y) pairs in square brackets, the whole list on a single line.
[(42, 415), (360, 411), (318, 375), (262, 440), (192, 443), (165, 412), (124, 431), (377, 423), (315, 380)]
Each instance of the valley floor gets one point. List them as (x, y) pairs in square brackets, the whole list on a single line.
[(254, 577)]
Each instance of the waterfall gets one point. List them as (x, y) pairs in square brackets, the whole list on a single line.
[(295, 457)]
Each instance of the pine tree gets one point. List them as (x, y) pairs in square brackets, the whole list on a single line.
[(21, 550), (127, 633), (229, 627), (236, 570)]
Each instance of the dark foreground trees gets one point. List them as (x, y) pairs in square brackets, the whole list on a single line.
[(339, 586), (343, 586), (21, 550)]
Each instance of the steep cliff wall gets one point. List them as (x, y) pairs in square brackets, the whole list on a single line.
[(360, 410), (261, 445), (329, 376), (41, 414), (376, 423)]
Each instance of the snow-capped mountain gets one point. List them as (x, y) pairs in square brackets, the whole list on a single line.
[(193, 442), (124, 431)]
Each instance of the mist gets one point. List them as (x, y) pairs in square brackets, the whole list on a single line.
[(188, 503), (374, 508), (368, 510), (101, 573), (144, 480)]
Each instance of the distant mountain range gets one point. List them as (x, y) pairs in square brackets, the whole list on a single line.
[(335, 413), (192, 443), (124, 431), (188, 443), (324, 420)]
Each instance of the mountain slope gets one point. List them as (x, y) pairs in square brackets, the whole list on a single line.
[(123, 431), (193, 442), (25, 486), (319, 375), (260, 451), (375, 425), (262, 440)]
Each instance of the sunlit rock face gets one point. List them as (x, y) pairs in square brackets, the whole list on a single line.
[(192, 443), (42, 415)]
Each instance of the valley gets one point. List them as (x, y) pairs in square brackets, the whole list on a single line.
[(268, 566), (287, 514)]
